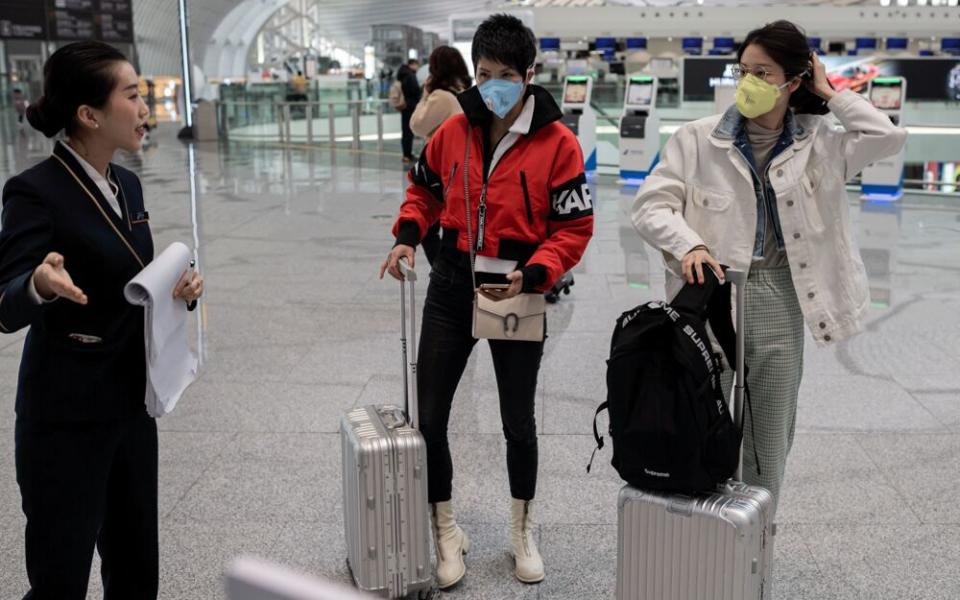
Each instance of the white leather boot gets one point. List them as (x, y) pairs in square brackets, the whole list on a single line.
[(451, 542), (529, 563)]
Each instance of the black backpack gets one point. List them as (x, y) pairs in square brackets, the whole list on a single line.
[(671, 427)]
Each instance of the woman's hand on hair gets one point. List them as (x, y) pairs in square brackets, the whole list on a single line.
[(819, 84), (53, 281)]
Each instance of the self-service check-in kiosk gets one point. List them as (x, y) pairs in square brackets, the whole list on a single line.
[(639, 129), (883, 179), (578, 115)]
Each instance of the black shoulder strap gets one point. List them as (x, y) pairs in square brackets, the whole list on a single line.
[(721, 322), (596, 433), (718, 314), (710, 302)]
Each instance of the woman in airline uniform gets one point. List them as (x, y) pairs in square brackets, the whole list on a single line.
[(74, 232)]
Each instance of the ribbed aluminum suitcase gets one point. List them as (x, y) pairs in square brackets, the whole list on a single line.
[(386, 521), (707, 547), (710, 546)]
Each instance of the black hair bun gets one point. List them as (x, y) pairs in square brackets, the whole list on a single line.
[(43, 118)]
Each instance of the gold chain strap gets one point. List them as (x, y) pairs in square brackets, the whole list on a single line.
[(102, 213)]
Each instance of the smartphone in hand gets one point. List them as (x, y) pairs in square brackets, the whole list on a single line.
[(494, 291)]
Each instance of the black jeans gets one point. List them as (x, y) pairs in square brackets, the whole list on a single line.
[(86, 484), (445, 345), (406, 139)]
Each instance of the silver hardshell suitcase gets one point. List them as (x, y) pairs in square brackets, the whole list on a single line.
[(711, 546), (386, 520)]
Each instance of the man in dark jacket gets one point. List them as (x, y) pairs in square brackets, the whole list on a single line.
[(407, 76)]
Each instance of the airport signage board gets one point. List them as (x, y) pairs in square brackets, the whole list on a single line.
[(22, 20), (105, 20)]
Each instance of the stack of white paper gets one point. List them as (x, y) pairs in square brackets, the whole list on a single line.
[(171, 364)]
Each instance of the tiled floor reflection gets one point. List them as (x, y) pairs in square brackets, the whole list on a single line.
[(296, 328)]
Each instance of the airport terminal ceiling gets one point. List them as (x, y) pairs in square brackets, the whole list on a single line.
[(223, 31), (221, 28)]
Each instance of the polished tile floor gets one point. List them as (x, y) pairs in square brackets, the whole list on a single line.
[(296, 328)]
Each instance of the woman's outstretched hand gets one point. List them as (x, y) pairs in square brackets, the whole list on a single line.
[(53, 281)]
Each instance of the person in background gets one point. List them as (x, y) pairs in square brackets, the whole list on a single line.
[(19, 104), (407, 76), (448, 77), (151, 99), (298, 93), (74, 232), (510, 162), (298, 87), (762, 189)]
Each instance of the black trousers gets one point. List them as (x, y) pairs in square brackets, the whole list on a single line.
[(84, 484), (445, 345), (406, 134)]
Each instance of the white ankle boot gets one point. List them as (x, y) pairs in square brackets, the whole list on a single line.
[(452, 543), (529, 563)]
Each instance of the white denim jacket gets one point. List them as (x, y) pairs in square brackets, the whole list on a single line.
[(702, 192)]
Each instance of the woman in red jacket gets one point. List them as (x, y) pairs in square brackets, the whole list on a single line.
[(532, 216)]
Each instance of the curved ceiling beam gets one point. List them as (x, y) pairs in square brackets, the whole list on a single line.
[(225, 55)]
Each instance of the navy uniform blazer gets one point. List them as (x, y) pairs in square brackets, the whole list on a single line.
[(80, 363)]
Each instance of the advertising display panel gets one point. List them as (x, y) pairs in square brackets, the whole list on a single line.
[(931, 79), (23, 20)]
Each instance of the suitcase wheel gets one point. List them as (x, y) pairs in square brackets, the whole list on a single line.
[(433, 593), (551, 297)]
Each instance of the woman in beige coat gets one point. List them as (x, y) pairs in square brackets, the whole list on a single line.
[(448, 77), (761, 188)]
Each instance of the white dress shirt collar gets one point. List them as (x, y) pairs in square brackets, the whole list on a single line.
[(106, 188), (525, 120), (520, 127)]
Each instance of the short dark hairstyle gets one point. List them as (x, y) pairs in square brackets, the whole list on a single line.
[(787, 46), (77, 74), (505, 39), (413, 61), (448, 70)]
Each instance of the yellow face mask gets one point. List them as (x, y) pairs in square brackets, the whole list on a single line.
[(756, 97)]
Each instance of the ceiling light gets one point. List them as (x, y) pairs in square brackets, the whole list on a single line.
[(903, 2), (884, 2), (921, 2)]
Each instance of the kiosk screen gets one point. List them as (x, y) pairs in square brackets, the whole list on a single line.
[(575, 92), (640, 94), (886, 94)]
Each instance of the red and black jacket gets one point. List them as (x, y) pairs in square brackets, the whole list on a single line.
[(539, 209)]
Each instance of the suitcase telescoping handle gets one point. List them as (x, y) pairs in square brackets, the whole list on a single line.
[(410, 404), (739, 280)]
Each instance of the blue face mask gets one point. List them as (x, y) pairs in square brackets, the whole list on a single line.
[(500, 95)]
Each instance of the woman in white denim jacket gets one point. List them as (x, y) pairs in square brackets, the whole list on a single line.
[(762, 189)]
